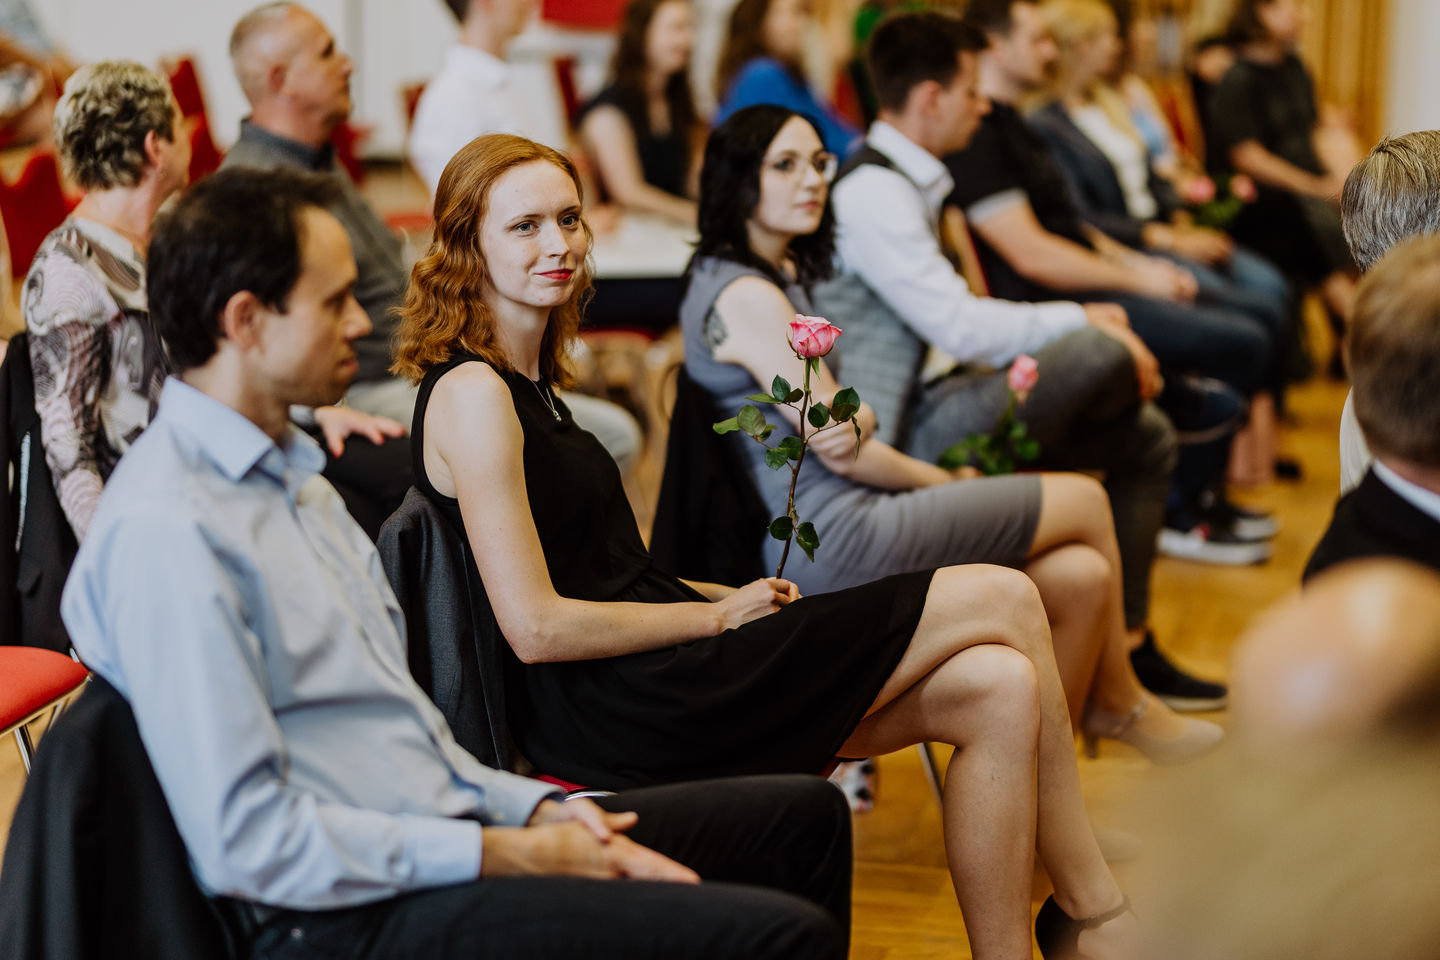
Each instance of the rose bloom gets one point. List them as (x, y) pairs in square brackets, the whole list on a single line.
[(1023, 374), (1199, 191), (1242, 188), (812, 336)]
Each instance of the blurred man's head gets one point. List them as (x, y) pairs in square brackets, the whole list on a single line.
[(291, 69), (1354, 656), (1392, 194), (249, 271), (1393, 346), (925, 72), (1021, 49)]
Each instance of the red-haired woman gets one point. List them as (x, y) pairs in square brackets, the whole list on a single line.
[(628, 676)]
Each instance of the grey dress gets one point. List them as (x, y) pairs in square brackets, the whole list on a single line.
[(865, 533)]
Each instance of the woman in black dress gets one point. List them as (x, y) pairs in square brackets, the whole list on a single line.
[(628, 676), (642, 129), (1264, 119)]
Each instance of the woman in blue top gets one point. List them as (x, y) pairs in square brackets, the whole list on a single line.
[(761, 63)]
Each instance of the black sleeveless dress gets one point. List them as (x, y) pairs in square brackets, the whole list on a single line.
[(777, 695)]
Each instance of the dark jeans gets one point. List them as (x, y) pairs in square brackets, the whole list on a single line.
[(774, 852), (1086, 415), (1253, 286)]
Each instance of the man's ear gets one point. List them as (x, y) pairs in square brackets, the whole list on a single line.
[(275, 78), (925, 96), (152, 148), (243, 319)]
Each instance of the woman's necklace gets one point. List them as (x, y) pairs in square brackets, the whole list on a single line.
[(549, 404)]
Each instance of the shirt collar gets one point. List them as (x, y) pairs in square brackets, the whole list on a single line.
[(922, 167), (1426, 501), (484, 68), (312, 158), (234, 443)]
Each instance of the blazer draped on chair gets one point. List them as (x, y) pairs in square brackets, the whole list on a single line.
[(94, 867), (33, 574), (456, 651)]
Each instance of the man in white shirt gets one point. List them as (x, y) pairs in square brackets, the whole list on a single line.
[(1090, 409), (476, 91), (1392, 194)]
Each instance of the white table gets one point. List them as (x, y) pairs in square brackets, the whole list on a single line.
[(643, 247)]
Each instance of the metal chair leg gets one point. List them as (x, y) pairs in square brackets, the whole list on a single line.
[(932, 770), (27, 749)]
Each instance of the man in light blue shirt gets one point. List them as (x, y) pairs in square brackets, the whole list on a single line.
[(225, 592)]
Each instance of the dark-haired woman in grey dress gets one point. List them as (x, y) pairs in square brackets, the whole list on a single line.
[(881, 512)]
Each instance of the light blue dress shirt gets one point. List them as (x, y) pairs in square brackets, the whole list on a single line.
[(224, 590)]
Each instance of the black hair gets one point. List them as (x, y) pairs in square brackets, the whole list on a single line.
[(992, 16), (237, 229), (730, 191), (908, 49)]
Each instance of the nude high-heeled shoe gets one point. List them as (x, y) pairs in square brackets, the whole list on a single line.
[(1198, 737)]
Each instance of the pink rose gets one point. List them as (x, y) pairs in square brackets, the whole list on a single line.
[(1243, 188), (1199, 191), (812, 336), (1023, 374)]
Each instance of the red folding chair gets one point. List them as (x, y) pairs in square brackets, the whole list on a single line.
[(34, 681), (32, 206)]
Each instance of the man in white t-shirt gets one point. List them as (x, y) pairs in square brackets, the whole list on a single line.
[(477, 91)]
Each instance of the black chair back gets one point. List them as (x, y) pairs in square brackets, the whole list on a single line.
[(456, 650), (710, 522)]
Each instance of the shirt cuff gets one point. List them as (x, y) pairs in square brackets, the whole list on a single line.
[(987, 207), (1062, 315), (511, 803), (443, 851)]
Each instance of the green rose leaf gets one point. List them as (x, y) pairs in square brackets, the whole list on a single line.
[(761, 398), (780, 389), (795, 395), (781, 528), (1017, 430), (819, 415), (1027, 449), (751, 420), (791, 447), (845, 405), (775, 459), (956, 455), (728, 426), (765, 434), (808, 539)]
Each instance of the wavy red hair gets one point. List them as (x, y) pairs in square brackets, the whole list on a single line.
[(444, 311)]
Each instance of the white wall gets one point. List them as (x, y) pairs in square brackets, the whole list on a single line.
[(394, 43), (147, 30), (1413, 74)]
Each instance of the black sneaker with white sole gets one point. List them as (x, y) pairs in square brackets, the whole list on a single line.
[(1220, 511), (1204, 540), (1177, 689)]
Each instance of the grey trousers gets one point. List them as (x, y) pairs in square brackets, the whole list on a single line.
[(1086, 415)]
